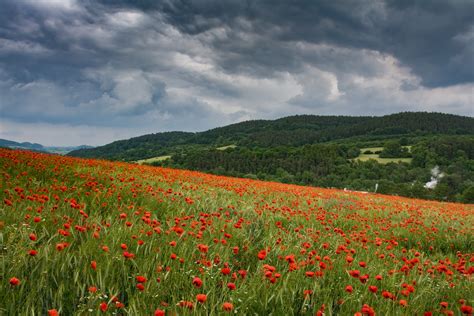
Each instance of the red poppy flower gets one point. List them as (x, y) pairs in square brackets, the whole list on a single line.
[(14, 281), (201, 298), (160, 312), (227, 306), (225, 271), (103, 307), (466, 309), (197, 282)]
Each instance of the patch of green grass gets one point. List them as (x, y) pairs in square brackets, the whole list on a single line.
[(152, 160), (226, 147), (372, 149), (366, 157), (376, 157)]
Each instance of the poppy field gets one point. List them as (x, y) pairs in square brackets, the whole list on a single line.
[(91, 237)]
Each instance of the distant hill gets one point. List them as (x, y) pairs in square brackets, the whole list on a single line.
[(26, 145), (291, 131), (38, 147)]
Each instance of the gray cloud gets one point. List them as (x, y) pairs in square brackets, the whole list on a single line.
[(131, 67)]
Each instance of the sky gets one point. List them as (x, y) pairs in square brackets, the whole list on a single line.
[(78, 72)]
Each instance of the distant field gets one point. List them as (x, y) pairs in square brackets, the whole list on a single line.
[(365, 157), (382, 160), (372, 149), (226, 147), (152, 160)]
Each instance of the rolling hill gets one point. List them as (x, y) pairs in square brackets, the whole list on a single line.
[(325, 151), (38, 147), (288, 131), (109, 238)]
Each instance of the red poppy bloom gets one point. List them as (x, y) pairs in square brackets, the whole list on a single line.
[(466, 309), (197, 282), (14, 281), (160, 312), (203, 248), (354, 273), (103, 307), (225, 271), (53, 312), (128, 255), (309, 274), (227, 306), (201, 298)]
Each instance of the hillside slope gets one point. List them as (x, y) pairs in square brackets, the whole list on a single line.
[(5, 143), (289, 131), (91, 236)]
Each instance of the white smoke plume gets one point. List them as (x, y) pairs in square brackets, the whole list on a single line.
[(436, 175)]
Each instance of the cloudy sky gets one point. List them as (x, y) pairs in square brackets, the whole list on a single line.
[(89, 72)]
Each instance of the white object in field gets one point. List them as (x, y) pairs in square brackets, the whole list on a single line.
[(436, 175)]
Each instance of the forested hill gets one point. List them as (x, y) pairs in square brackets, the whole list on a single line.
[(288, 131)]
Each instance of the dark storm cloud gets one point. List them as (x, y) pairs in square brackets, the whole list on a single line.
[(129, 67), (425, 35)]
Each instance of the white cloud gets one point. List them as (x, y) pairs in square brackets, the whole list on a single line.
[(63, 5), (64, 134), (126, 19), (8, 46), (133, 72)]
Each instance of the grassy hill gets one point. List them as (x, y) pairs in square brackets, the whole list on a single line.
[(96, 237), (62, 150), (289, 131), (327, 151)]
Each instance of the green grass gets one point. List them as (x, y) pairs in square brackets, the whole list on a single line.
[(100, 203), (366, 157), (226, 147), (153, 159)]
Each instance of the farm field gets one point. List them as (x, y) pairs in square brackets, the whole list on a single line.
[(226, 147), (366, 157), (87, 237), (152, 160)]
